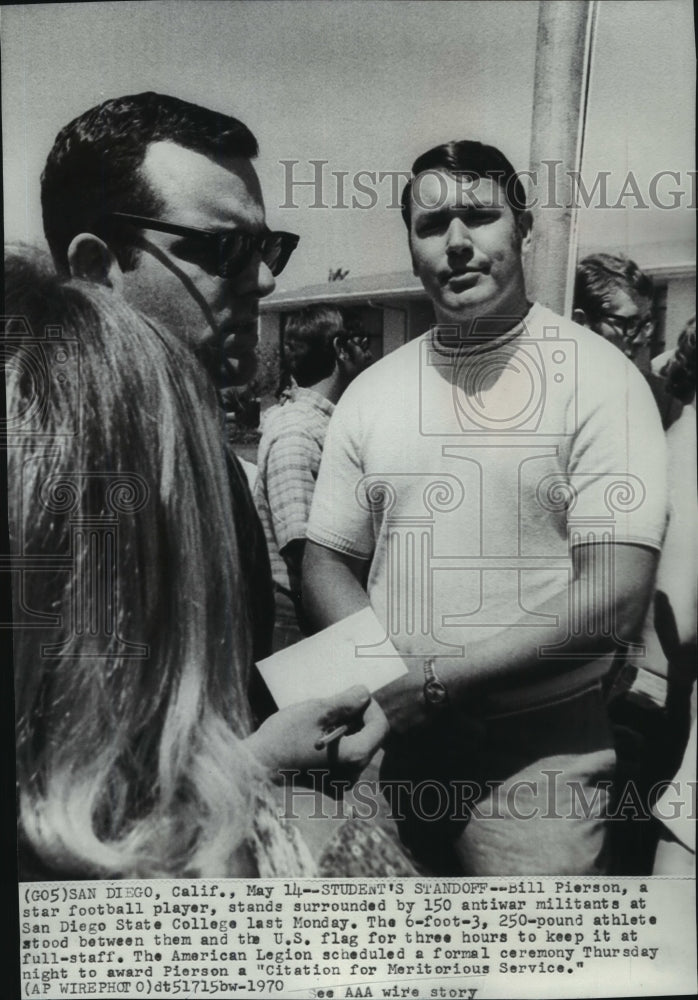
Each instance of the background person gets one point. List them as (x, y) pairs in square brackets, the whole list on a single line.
[(136, 755), (323, 353), (615, 299), (650, 697), (675, 617), (158, 198)]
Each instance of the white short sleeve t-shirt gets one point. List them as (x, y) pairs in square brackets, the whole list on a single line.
[(467, 476)]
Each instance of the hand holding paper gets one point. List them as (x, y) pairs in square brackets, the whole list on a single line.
[(288, 740), (320, 685)]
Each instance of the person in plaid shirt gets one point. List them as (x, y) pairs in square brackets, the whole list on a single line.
[(323, 352)]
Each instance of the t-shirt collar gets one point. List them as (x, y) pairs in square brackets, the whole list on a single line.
[(486, 345), (295, 392)]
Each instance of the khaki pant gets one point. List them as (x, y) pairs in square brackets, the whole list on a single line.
[(528, 793)]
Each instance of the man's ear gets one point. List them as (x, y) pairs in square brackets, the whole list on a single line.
[(525, 226), (91, 259), (339, 350), (579, 316)]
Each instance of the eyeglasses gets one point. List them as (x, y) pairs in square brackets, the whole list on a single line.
[(630, 328), (225, 253)]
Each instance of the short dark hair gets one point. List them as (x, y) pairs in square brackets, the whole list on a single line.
[(471, 159), (601, 274), (94, 165), (318, 326)]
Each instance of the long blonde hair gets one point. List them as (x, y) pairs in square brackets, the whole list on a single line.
[(131, 701)]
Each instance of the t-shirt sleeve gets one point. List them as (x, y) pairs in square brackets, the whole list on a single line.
[(617, 463), (291, 470), (338, 520)]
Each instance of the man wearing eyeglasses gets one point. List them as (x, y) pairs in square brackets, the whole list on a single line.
[(158, 198), (614, 298)]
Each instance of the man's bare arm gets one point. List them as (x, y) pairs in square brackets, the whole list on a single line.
[(512, 656), (292, 555), (332, 587), (624, 600)]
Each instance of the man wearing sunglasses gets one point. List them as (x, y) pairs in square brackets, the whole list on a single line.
[(158, 198)]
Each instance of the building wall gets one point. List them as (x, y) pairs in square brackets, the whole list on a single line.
[(269, 330), (406, 318), (421, 317), (394, 332)]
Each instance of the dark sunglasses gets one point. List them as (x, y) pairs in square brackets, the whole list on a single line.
[(227, 252)]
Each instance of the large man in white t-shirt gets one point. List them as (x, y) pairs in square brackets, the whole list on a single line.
[(502, 479)]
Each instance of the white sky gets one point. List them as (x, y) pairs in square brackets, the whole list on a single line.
[(364, 85)]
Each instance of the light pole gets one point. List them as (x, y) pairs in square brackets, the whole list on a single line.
[(564, 52)]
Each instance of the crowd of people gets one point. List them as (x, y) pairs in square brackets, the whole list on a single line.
[(497, 495)]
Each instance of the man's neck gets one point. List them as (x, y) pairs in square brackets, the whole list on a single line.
[(331, 387), (480, 328)]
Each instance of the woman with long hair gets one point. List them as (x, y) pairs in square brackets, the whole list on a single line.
[(132, 650)]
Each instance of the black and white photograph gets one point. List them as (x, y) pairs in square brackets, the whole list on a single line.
[(352, 513)]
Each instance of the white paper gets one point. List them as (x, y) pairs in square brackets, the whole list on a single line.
[(332, 660)]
